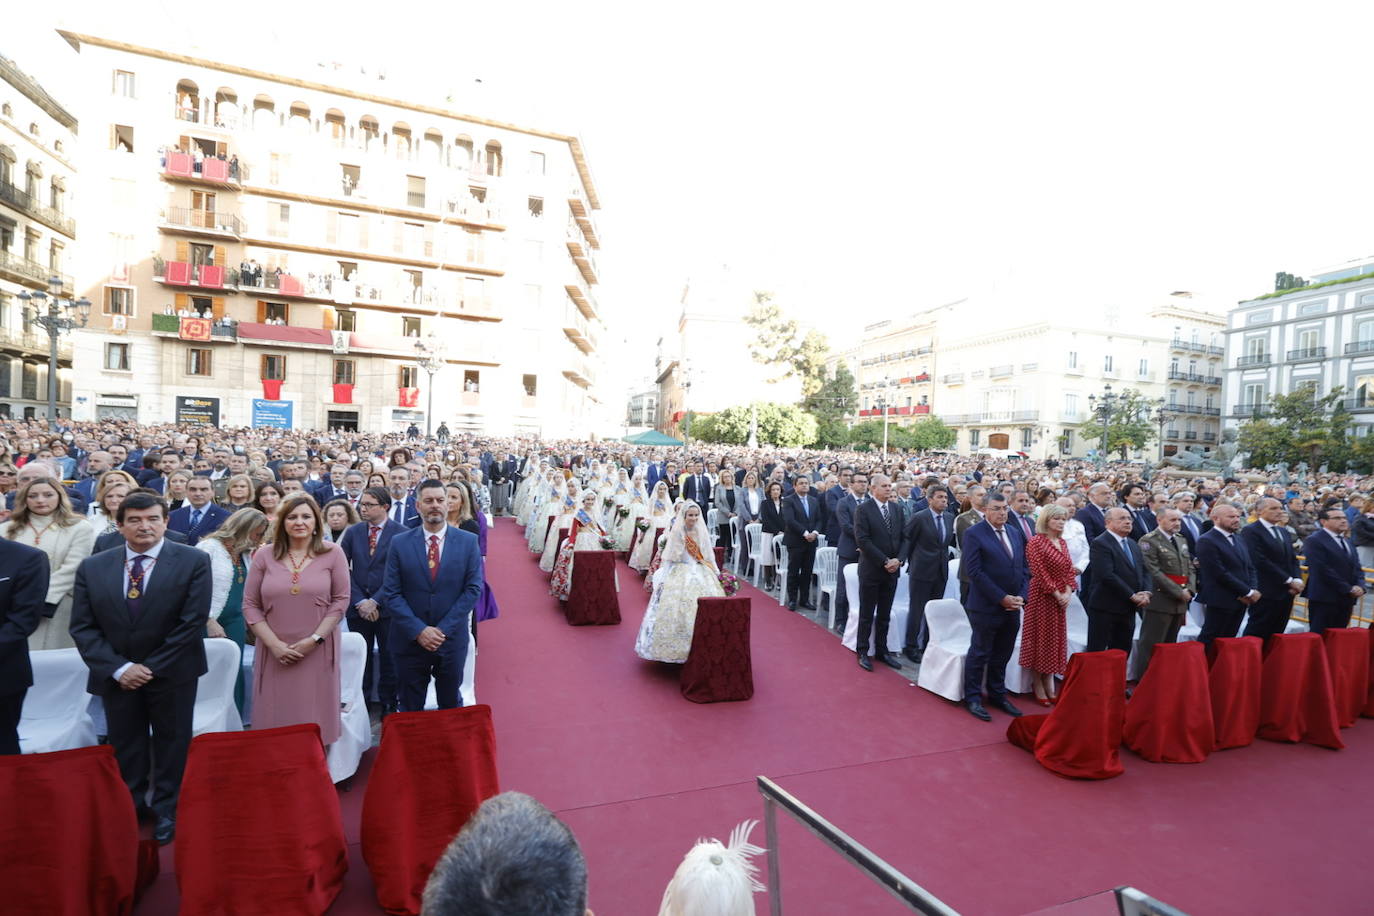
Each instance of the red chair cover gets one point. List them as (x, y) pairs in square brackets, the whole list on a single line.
[(68, 834), (1369, 701), (720, 557), (258, 825), (658, 533), (1296, 703), (433, 770), (593, 599), (719, 666), (1169, 718), (1347, 654), (1081, 738), (1023, 731), (1234, 683), (149, 866)]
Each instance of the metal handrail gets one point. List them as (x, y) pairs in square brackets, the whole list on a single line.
[(912, 895)]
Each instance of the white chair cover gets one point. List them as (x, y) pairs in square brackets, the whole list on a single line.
[(827, 576), (896, 627), (942, 665), (215, 710), (1076, 618), (952, 586), (780, 565), (468, 688), (356, 736), (56, 713)]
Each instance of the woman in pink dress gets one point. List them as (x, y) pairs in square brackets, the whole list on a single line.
[(296, 594), (1044, 634)]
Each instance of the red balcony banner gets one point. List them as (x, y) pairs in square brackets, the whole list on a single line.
[(343, 394), (194, 329), (180, 164), (921, 408), (271, 389), (178, 272), (408, 397), (212, 275), (215, 170), (290, 286)]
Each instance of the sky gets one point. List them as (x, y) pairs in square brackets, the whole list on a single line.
[(866, 160)]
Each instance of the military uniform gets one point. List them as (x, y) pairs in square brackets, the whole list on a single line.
[(1170, 566)]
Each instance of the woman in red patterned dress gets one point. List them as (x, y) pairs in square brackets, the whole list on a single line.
[(1044, 635)]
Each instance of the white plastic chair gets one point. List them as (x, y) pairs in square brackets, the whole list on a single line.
[(753, 536), (734, 545), (827, 577), (56, 714), (356, 736), (942, 665), (711, 527), (780, 570), (215, 710)]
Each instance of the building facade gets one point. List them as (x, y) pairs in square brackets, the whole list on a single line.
[(1318, 339), (37, 237), (273, 250), (895, 370)]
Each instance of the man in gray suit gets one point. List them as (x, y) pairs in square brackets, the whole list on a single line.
[(929, 536)]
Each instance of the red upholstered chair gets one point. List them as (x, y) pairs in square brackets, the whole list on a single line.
[(433, 770), (1234, 683), (1169, 718), (68, 835), (258, 824), (1081, 738), (594, 599), (719, 665), (1296, 703), (658, 534), (1347, 654)]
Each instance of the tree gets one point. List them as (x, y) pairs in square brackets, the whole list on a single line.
[(1130, 425), (931, 433), (1298, 426), (779, 342), (783, 425), (835, 397)]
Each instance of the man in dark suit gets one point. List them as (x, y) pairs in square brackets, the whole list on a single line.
[(1190, 528), (502, 479), (403, 510), (200, 516), (999, 581), (801, 517), (832, 503), (1136, 500), (1278, 576), (23, 591), (1121, 584), (1228, 583), (878, 527), (846, 548), (97, 463), (929, 536), (38, 469), (1093, 516), (697, 487), (366, 544), (137, 618), (168, 462), (432, 582), (332, 487), (1335, 580)]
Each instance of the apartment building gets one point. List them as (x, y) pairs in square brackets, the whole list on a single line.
[(270, 250), (895, 372), (37, 237), (1314, 338)]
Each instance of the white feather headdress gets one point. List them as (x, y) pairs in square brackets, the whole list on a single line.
[(715, 879)]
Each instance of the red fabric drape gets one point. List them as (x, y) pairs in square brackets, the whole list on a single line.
[(258, 825), (1296, 703), (719, 665), (658, 533), (433, 770), (215, 170), (1234, 684), (178, 272), (593, 599), (212, 275), (271, 389), (720, 558), (68, 834), (1081, 738), (407, 397), (1369, 701), (288, 285), (1169, 718), (1347, 654), (343, 394)]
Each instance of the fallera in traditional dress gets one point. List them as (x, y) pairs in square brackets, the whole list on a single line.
[(666, 633), (584, 535)]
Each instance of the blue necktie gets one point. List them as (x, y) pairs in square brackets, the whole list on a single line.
[(940, 527), (195, 519), (806, 510), (1126, 549)]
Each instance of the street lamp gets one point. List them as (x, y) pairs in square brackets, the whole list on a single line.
[(686, 414), (1104, 405), (882, 408), (55, 314), (429, 353), (1161, 417)]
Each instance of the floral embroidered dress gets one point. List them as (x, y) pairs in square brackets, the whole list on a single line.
[(564, 520), (624, 529), (585, 534), (686, 575)]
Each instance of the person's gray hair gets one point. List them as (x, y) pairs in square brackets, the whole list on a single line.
[(1115, 512), (512, 856), (1182, 494)]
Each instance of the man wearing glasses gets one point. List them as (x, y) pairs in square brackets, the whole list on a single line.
[(366, 544)]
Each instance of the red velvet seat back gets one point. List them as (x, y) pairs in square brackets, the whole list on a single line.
[(719, 666), (1296, 702), (593, 599), (1169, 717)]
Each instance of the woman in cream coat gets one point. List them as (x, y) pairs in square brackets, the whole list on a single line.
[(43, 518)]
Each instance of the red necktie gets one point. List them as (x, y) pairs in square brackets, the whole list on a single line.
[(433, 556), (372, 533)]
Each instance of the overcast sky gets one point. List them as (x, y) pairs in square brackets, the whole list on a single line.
[(865, 159)]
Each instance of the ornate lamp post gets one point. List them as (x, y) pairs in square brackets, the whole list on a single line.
[(55, 314), (1161, 416), (429, 353), (882, 408), (1104, 406)]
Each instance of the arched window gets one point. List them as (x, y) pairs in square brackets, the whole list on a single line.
[(298, 121), (400, 140), (432, 149), (188, 101), (494, 159), (335, 127), (370, 130), (461, 156), (226, 108), (264, 113)]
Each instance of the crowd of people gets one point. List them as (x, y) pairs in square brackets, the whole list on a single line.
[(134, 543)]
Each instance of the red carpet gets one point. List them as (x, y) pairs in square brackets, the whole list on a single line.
[(607, 741)]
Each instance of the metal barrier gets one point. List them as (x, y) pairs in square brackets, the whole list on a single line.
[(1363, 614)]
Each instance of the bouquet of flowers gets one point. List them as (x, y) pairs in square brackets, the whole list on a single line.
[(622, 512), (642, 525), (729, 582), (607, 542), (608, 502)]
